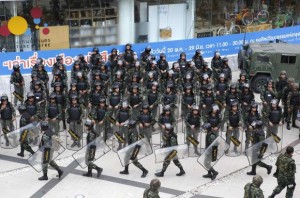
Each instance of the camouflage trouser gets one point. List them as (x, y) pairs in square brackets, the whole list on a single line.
[(77, 128), (154, 112), (135, 112), (265, 111), (7, 124), (282, 185), (25, 146), (272, 129), (135, 162), (249, 133), (285, 112), (233, 132), (147, 132), (52, 164), (194, 133), (20, 92), (123, 131), (167, 163), (54, 126), (292, 114), (100, 129)]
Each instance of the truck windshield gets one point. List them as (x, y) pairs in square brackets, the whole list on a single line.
[(262, 58)]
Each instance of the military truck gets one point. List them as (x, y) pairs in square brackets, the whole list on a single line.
[(264, 61)]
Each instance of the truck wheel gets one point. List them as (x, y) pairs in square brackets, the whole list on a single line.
[(258, 83)]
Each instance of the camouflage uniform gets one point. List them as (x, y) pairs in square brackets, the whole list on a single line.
[(293, 103), (285, 174), (7, 114), (152, 192), (17, 80), (285, 92), (53, 115), (252, 190), (267, 94)]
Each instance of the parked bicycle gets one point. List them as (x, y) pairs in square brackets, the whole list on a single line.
[(284, 19), (261, 16), (233, 29)]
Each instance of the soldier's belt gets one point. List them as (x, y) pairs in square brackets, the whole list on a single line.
[(5, 130), (192, 140), (171, 155), (18, 95), (235, 141), (276, 138), (262, 150), (24, 135), (214, 153), (119, 137), (74, 135), (135, 152)]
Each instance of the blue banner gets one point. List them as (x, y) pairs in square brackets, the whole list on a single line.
[(227, 45)]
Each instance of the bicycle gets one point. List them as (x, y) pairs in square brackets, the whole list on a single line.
[(261, 17), (234, 29), (284, 19)]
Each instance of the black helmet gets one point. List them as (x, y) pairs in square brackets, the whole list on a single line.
[(132, 123), (209, 87), (233, 86), (128, 44), (76, 63), (145, 106), (57, 73), (96, 49), (97, 84), (225, 59), (254, 105), (34, 74), (74, 97), (58, 58), (206, 126), (162, 55), (198, 52), (116, 85), (114, 50), (187, 86), (22, 108), (57, 84), (16, 67), (135, 86), (234, 103), (182, 54), (102, 100), (38, 82), (53, 96), (73, 83), (81, 57), (205, 64), (98, 57), (39, 60), (44, 125), (243, 73), (4, 97), (148, 49), (89, 123)]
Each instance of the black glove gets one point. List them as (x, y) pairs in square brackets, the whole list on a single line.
[(79, 122), (68, 121), (276, 173)]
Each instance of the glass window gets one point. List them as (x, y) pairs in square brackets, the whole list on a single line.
[(288, 59), (262, 58)]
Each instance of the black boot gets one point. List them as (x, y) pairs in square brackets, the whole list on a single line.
[(145, 172), (208, 175), (99, 171), (44, 177), (160, 174), (125, 171), (294, 125), (21, 154), (89, 173), (214, 174), (73, 144), (182, 172), (272, 196), (60, 172), (268, 167), (253, 171), (31, 151), (288, 127)]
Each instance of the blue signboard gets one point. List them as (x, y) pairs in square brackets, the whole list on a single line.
[(227, 45)]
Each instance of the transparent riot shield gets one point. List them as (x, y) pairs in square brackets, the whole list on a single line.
[(195, 140), (135, 151), (261, 150), (91, 152), (234, 137), (74, 139), (45, 154), (4, 138), (278, 137), (213, 153), (29, 133), (169, 153), (118, 141)]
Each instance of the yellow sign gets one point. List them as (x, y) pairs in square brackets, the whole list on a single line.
[(17, 25), (54, 37)]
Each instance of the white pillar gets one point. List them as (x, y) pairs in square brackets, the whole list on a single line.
[(126, 30), (15, 13), (190, 19)]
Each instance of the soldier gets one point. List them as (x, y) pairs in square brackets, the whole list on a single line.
[(266, 96), (152, 192), (112, 60), (216, 65), (285, 173), (58, 78), (166, 117), (170, 98), (163, 67), (226, 69), (145, 121), (146, 56), (120, 81), (128, 56), (192, 122), (207, 100), (285, 92), (75, 69), (73, 91), (122, 118), (74, 115), (43, 76), (153, 99), (95, 95), (99, 114), (83, 64), (221, 87), (182, 62), (132, 138), (188, 99), (246, 98), (234, 123), (38, 61), (61, 99), (204, 84), (243, 79), (95, 54), (281, 83), (17, 80), (59, 60), (209, 139), (46, 141), (258, 135), (83, 88), (253, 189), (214, 118), (206, 70), (7, 116), (198, 60), (114, 99), (293, 103), (251, 116), (171, 140), (24, 120), (135, 100), (104, 77), (34, 78), (53, 114), (40, 97), (274, 118), (91, 136)]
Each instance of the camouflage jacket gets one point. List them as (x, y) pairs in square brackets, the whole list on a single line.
[(17, 80), (151, 193), (286, 168), (252, 191)]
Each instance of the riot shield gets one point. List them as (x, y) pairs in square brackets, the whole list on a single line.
[(91, 152), (45, 154), (213, 153), (74, 139), (29, 133), (169, 153), (4, 138), (261, 150), (135, 151), (195, 141), (118, 141), (234, 138)]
